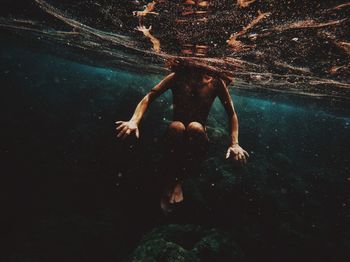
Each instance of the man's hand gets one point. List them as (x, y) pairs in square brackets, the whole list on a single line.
[(125, 129), (144, 30), (238, 154)]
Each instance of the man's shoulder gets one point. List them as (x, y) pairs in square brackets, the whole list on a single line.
[(219, 83), (178, 80), (169, 80)]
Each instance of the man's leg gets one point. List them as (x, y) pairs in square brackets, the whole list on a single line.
[(174, 138), (196, 142), (173, 162)]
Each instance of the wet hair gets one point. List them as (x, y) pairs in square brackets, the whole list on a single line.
[(190, 67)]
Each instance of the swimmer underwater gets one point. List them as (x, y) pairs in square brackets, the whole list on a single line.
[(194, 88)]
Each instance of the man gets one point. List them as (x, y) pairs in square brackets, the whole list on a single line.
[(194, 87)]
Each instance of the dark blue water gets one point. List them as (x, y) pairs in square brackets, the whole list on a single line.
[(73, 192)]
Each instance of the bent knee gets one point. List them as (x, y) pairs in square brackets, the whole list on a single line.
[(176, 127), (195, 128)]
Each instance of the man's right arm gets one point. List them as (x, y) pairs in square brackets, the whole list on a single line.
[(126, 128)]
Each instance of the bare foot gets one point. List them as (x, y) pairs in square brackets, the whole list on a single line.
[(177, 195), (171, 196)]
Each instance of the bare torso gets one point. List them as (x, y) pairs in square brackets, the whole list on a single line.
[(193, 98)]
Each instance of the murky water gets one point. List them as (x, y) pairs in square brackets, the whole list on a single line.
[(68, 70)]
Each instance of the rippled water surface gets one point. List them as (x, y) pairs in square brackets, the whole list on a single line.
[(286, 46)]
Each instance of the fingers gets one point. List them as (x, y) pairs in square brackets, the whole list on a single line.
[(228, 153), (245, 153), (127, 132), (244, 161), (240, 157), (120, 127), (122, 132), (119, 130)]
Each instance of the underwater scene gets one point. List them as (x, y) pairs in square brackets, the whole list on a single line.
[(77, 188)]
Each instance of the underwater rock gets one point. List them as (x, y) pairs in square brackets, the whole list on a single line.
[(161, 250), (186, 243), (168, 243), (217, 246)]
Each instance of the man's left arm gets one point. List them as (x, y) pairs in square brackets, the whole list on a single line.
[(238, 153)]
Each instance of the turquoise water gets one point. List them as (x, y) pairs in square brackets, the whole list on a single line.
[(73, 191)]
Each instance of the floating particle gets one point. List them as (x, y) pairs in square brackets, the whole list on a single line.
[(258, 77)]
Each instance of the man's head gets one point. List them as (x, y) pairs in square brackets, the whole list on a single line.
[(197, 68)]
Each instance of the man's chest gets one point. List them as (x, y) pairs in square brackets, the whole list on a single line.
[(195, 91)]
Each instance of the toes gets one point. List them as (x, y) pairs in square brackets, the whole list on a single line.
[(172, 199), (178, 197)]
